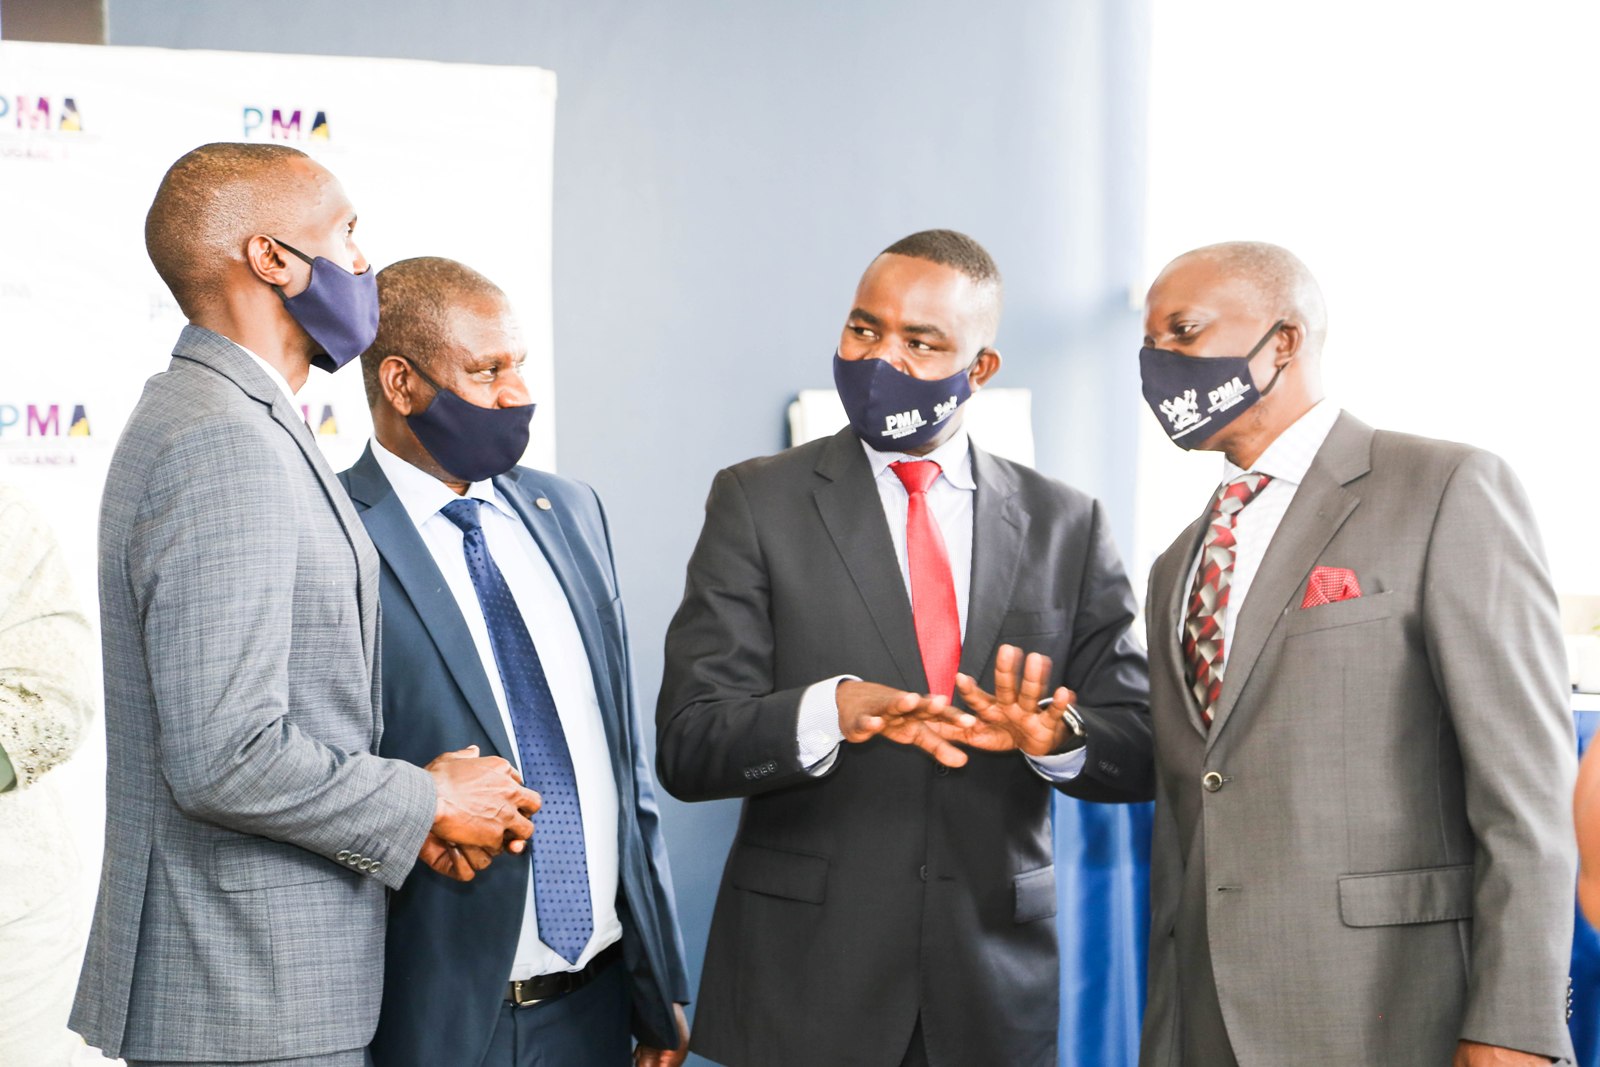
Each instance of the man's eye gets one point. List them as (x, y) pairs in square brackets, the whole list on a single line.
[(861, 331), (921, 346)]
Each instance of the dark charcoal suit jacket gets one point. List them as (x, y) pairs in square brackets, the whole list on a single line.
[(888, 887)]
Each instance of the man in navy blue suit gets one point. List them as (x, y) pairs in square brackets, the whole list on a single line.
[(503, 634)]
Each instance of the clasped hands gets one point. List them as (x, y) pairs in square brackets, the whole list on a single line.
[(483, 810), (1009, 719)]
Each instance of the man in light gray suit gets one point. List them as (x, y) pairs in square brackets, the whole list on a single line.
[(1363, 845), (251, 831)]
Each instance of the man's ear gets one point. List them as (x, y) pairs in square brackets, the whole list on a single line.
[(397, 382), (985, 367), (1291, 336), (266, 260)]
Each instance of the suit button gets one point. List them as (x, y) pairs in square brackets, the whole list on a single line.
[(941, 770), (923, 872), (344, 855), (1212, 781), (366, 865), (377, 865)]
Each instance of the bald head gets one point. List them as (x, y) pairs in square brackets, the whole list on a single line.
[(213, 200), (1270, 278), (422, 303)]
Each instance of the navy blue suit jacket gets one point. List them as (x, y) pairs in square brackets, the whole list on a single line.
[(450, 945)]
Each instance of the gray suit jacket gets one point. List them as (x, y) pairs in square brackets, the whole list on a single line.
[(891, 887), (250, 830), (1384, 863)]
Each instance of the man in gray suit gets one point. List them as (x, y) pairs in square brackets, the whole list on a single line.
[(251, 831), (1363, 843), (881, 907)]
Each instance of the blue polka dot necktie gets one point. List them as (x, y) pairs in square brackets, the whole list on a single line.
[(560, 865)]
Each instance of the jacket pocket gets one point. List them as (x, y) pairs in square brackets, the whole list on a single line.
[(1036, 894), (1019, 624), (1397, 898), (778, 873), (261, 863), (1359, 609)]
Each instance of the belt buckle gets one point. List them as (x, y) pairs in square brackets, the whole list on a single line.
[(518, 999)]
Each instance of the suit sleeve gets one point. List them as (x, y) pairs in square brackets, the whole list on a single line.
[(675, 983), (1108, 671), (1493, 636), (214, 584), (721, 730)]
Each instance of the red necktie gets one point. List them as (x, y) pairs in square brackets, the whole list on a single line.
[(1204, 644), (933, 591)]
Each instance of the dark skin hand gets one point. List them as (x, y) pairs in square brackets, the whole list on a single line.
[(868, 710), (1472, 1054), (1010, 718), (483, 808), (645, 1056)]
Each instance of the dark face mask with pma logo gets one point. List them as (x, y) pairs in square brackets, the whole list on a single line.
[(892, 411), (1195, 397)]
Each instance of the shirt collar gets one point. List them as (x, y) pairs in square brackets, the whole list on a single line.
[(1289, 456), (424, 496), (954, 458), (272, 372)]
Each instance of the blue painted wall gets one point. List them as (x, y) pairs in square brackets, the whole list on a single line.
[(724, 172)]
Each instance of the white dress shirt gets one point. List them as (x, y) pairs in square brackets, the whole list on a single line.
[(555, 634), (1287, 459), (272, 372), (950, 500)]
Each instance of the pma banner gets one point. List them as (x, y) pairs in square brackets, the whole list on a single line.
[(85, 136)]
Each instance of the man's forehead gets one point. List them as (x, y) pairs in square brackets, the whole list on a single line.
[(917, 285), (1201, 284), (486, 326)]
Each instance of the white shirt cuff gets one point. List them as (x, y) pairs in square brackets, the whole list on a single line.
[(1062, 768), (817, 730)]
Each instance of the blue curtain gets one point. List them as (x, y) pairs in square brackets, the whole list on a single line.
[(1103, 920), (1585, 1020)]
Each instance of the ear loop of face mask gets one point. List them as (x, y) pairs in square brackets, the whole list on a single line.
[(1269, 335)]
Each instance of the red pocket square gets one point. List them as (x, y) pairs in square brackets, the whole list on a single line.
[(1329, 584)]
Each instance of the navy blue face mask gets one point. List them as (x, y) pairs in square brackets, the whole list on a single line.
[(1191, 394), (338, 309), (469, 442), (892, 411)]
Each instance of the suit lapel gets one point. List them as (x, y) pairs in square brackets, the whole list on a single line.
[(411, 561), (1320, 507), (853, 514), (1173, 583), (228, 359), (548, 528), (999, 528)]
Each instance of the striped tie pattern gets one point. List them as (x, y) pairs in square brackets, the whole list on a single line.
[(1204, 643)]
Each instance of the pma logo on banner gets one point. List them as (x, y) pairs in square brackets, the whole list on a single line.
[(40, 114), (31, 421), (285, 124)]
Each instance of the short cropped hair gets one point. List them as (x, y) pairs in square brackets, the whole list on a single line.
[(415, 297), (209, 205), (950, 248)]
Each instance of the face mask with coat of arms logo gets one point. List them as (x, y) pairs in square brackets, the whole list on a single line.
[(892, 411), (1190, 394)]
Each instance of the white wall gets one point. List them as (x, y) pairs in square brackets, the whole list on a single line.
[(1433, 165)]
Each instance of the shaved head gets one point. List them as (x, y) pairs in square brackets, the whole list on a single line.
[(212, 201), (1282, 286), (419, 302)]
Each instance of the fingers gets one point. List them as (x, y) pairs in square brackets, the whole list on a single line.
[(973, 697), (1006, 661), (1035, 676), (941, 750), (527, 801)]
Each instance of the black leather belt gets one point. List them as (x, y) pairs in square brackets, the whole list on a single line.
[(549, 986)]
